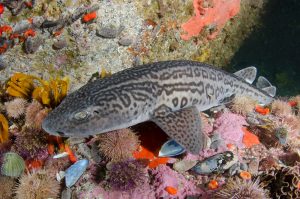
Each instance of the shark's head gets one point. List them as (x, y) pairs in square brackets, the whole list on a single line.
[(79, 115)]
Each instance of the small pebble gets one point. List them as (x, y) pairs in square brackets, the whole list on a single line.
[(74, 172), (3, 64), (66, 193), (125, 41), (60, 44), (184, 165), (109, 31)]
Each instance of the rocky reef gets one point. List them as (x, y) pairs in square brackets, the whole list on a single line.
[(50, 48)]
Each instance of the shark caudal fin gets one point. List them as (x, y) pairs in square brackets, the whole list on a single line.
[(264, 84), (248, 74), (184, 126)]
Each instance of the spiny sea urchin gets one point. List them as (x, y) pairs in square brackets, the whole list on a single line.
[(118, 145), (35, 114), (6, 187), (37, 185), (239, 189), (16, 107), (126, 175), (281, 108), (243, 105)]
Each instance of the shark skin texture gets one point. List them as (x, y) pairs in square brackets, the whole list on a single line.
[(169, 93)]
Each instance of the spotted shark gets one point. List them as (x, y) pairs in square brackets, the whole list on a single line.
[(169, 93)]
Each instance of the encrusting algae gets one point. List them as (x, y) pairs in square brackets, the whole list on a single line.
[(3, 129)]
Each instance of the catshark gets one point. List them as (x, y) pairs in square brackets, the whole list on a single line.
[(169, 93)]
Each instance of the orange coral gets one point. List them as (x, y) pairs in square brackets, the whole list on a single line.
[(249, 138), (216, 14), (34, 164), (171, 190), (89, 16), (6, 29), (72, 157), (1, 8), (213, 184), (3, 129), (145, 154), (261, 110)]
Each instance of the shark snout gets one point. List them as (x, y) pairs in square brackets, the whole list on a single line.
[(50, 128)]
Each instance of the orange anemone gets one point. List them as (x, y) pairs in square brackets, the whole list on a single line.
[(213, 184), (245, 175), (171, 190)]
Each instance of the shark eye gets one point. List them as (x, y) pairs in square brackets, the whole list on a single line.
[(81, 115)]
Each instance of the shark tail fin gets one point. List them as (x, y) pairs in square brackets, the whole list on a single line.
[(264, 84)]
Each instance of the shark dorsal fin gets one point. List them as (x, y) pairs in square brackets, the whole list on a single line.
[(184, 126), (248, 74), (262, 82), (271, 90)]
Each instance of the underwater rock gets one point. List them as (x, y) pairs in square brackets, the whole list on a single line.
[(31, 45), (125, 41), (171, 148), (84, 150), (184, 165), (13, 165), (74, 172), (253, 166), (109, 32), (216, 163)]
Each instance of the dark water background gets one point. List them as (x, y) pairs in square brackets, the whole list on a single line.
[(274, 48)]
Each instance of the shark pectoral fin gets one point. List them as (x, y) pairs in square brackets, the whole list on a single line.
[(248, 74), (271, 90), (227, 100), (184, 126), (262, 82)]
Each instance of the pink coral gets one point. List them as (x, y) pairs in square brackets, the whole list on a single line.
[(229, 126), (164, 176), (210, 13)]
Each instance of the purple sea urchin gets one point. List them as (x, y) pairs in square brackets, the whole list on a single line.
[(16, 107), (126, 175), (118, 145), (237, 188), (30, 142), (37, 185)]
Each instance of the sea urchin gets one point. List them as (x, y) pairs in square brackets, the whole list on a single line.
[(118, 145), (37, 185), (239, 189)]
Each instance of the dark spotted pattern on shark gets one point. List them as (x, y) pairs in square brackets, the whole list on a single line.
[(170, 93)]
